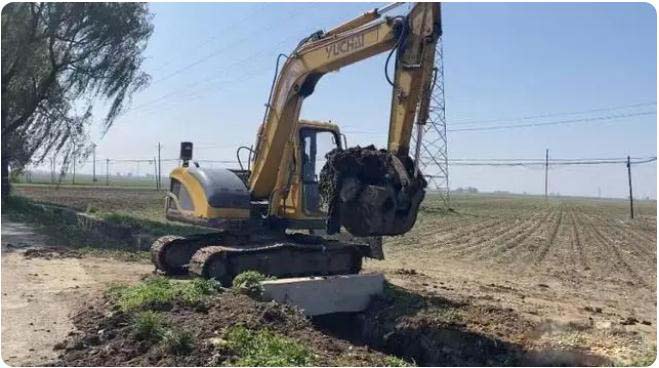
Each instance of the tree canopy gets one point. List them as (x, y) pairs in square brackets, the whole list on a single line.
[(57, 60)]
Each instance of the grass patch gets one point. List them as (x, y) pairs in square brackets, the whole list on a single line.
[(178, 342), (159, 293), (645, 358), (56, 224), (155, 228), (118, 254), (392, 361), (152, 327), (265, 348), (249, 282), (25, 210), (148, 326)]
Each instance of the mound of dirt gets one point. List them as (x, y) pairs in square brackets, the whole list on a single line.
[(104, 338), (51, 253), (434, 331)]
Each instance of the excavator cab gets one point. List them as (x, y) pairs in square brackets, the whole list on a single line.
[(303, 208)]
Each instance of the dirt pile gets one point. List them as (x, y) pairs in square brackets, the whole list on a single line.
[(106, 336), (434, 331), (370, 192), (51, 253)]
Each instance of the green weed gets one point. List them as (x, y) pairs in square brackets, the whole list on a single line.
[(159, 293), (392, 361), (155, 228), (149, 326), (265, 348), (178, 342), (249, 282)]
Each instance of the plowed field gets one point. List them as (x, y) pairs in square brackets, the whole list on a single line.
[(581, 270), (565, 262)]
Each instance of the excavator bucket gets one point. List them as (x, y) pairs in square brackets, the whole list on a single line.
[(370, 192)]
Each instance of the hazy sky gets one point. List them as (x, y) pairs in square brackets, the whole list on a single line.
[(212, 66)]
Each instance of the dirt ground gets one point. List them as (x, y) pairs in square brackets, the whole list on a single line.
[(564, 263), (571, 272), (41, 293), (141, 202)]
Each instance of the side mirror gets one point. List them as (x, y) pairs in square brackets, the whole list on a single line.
[(186, 152)]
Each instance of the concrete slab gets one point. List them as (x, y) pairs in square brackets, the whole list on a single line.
[(324, 295)]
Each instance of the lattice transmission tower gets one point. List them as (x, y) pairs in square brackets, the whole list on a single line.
[(433, 160)]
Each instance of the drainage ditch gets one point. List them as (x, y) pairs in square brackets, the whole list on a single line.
[(432, 331)]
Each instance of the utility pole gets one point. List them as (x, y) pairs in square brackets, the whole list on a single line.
[(546, 171), (155, 171), (94, 163), (52, 170), (159, 168), (73, 178), (107, 172), (631, 197)]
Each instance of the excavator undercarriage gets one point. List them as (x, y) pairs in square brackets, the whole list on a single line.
[(222, 255)]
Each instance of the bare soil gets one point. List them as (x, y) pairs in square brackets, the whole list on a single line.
[(579, 270), (104, 336), (145, 203), (565, 281), (42, 286)]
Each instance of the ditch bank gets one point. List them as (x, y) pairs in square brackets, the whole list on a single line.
[(433, 331), (164, 322), (226, 327), (81, 229)]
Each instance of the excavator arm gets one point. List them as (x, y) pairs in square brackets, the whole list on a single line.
[(412, 37)]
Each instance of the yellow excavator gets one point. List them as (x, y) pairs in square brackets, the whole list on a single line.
[(259, 211)]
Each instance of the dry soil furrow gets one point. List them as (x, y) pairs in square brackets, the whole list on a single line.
[(561, 255), (492, 235), (525, 249), (620, 262), (493, 232), (598, 259), (624, 230), (648, 224), (513, 238), (577, 243), (551, 239), (512, 248), (634, 242), (479, 229), (621, 245)]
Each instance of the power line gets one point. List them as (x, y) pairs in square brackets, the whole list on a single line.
[(222, 49), (209, 79), (546, 115), (552, 163), (553, 159), (560, 122), (230, 27)]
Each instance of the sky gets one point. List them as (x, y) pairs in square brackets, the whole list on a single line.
[(212, 65)]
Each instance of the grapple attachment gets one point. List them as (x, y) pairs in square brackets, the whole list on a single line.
[(370, 192)]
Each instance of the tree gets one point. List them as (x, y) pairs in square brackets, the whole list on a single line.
[(57, 60)]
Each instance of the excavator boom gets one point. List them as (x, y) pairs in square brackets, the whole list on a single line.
[(413, 38), (367, 191)]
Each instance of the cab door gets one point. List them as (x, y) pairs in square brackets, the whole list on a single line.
[(314, 146)]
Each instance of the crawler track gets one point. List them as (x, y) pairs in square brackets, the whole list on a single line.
[(284, 259)]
